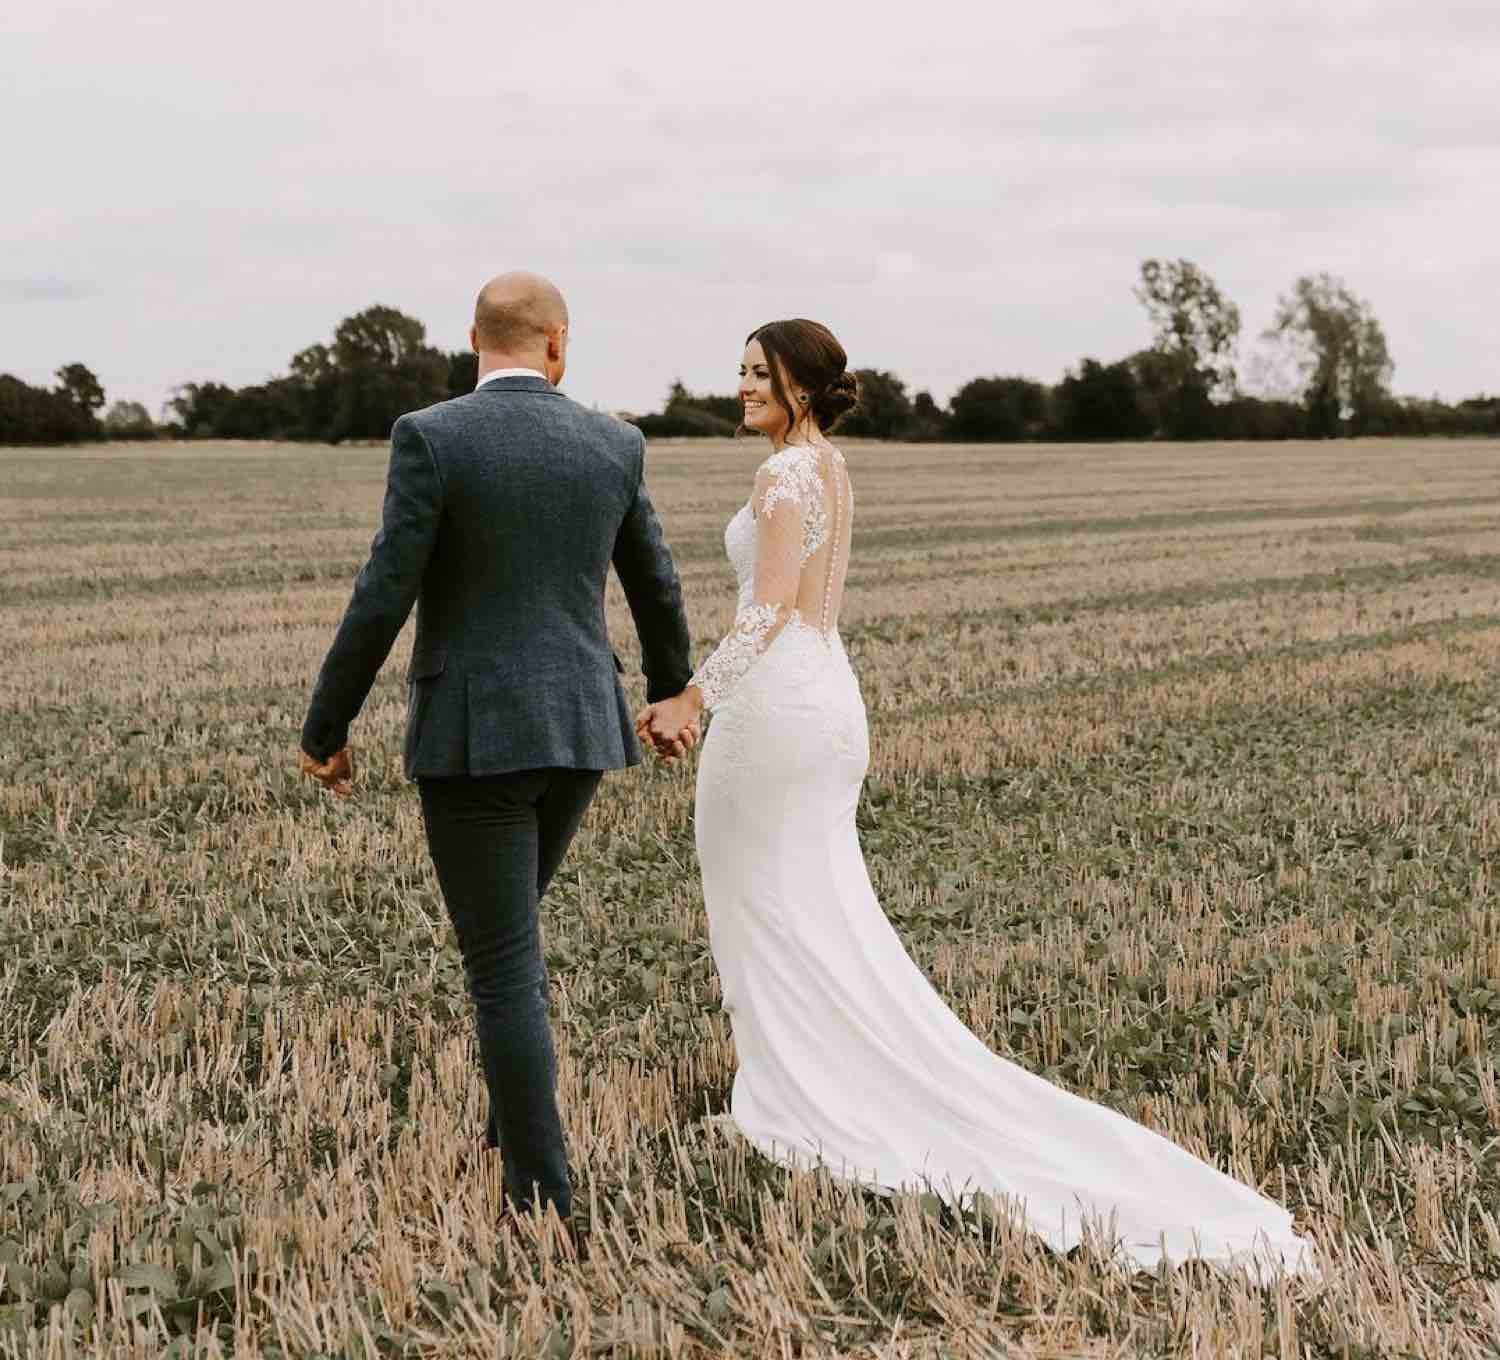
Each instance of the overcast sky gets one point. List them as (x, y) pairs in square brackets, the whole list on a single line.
[(196, 190)]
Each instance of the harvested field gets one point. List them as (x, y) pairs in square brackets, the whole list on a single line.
[(1185, 792)]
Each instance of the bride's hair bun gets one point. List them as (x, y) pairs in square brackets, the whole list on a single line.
[(813, 359), (837, 399)]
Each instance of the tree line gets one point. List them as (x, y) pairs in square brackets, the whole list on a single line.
[(378, 367), (62, 414), (1325, 352)]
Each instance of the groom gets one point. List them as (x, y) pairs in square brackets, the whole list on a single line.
[(504, 509)]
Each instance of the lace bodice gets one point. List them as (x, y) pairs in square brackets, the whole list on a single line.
[(789, 546)]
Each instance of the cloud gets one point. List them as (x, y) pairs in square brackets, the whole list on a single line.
[(972, 193), (43, 289)]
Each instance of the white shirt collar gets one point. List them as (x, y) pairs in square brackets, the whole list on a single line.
[(509, 373)]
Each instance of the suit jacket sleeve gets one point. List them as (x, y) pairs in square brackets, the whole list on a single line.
[(384, 591), (646, 571)]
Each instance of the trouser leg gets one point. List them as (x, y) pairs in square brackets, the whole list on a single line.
[(487, 837), (559, 815)]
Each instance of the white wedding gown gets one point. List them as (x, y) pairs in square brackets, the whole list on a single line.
[(847, 1055)]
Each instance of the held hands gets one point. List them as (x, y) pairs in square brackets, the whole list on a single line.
[(335, 773), (671, 726)]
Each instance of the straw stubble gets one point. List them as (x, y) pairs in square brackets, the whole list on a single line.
[(1184, 792)]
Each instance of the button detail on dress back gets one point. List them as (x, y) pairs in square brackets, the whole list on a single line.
[(793, 475)]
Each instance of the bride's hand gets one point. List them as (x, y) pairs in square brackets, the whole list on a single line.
[(666, 751), (671, 725), (666, 747), (674, 724)]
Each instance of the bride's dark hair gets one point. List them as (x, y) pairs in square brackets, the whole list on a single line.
[(808, 353)]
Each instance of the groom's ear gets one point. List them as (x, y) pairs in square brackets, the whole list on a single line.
[(474, 338), (556, 350)]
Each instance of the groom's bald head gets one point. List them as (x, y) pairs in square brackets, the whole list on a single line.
[(517, 312)]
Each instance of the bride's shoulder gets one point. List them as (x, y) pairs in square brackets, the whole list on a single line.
[(790, 458), (798, 461), (792, 471)]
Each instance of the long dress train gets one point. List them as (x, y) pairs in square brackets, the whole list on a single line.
[(846, 1054)]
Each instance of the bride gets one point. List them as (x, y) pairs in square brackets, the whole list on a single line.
[(847, 1055)]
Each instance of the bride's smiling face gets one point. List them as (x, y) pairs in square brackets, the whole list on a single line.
[(762, 411)]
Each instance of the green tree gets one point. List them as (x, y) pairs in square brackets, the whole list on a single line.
[(1339, 349), (884, 410), (128, 420), (997, 410), (83, 390), (315, 379), (1247, 417), (721, 407), (34, 415), (19, 410), (81, 387), (269, 410), (385, 368), (379, 336), (199, 409), (685, 414), (463, 372), (313, 364), (1174, 399), (928, 421), (1191, 360), (1100, 401)]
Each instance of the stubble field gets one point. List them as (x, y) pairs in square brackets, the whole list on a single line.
[(1185, 792)]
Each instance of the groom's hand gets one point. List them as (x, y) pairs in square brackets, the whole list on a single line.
[(666, 750), (671, 725), (336, 773)]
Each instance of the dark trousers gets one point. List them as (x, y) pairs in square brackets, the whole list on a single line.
[(496, 842)]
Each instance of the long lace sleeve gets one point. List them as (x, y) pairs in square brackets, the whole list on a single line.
[(787, 492)]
